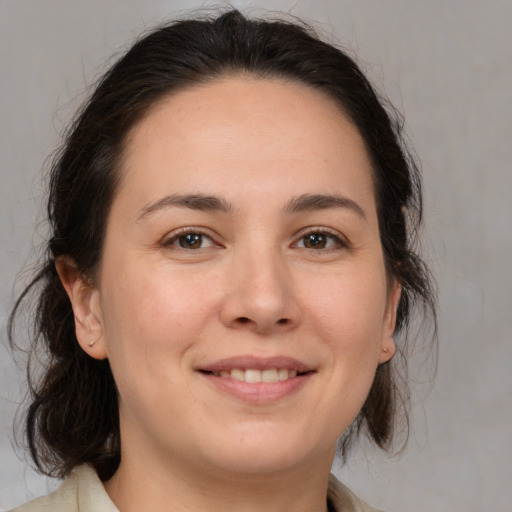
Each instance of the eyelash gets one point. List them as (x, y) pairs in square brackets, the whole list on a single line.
[(173, 239), (339, 243)]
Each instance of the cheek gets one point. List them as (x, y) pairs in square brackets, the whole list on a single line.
[(154, 314), (348, 307), (150, 323), (142, 299), (349, 320)]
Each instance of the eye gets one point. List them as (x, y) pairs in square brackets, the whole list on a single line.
[(188, 239), (318, 240)]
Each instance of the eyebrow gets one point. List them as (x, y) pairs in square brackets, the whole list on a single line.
[(193, 201), (207, 203), (311, 202)]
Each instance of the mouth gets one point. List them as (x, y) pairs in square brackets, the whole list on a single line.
[(254, 375), (258, 380)]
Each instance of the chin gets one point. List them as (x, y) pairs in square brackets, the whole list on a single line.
[(267, 455), (250, 464)]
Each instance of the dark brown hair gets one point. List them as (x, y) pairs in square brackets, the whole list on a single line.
[(73, 416)]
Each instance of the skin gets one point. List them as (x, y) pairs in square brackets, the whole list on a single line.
[(254, 286)]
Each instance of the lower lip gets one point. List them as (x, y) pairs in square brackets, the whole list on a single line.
[(258, 392)]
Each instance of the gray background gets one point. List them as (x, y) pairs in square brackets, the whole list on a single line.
[(447, 66)]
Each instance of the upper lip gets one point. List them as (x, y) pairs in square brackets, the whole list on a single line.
[(256, 363)]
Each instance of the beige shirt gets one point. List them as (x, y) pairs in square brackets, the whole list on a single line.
[(84, 492)]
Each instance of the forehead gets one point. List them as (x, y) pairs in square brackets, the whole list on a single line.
[(246, 131)]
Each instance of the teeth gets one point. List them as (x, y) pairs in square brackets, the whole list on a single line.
[(253, 376), (291, 374), (269, 375), (283, 374), (237, 375)]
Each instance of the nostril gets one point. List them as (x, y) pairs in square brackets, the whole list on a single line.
[(262, 325)]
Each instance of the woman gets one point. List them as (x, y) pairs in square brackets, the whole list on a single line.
[(229, 266)]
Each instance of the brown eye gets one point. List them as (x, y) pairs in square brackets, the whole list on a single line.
[(318, 240), (315, 241), (190, 241)]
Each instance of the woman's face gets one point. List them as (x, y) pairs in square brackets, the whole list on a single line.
[(242, 298)]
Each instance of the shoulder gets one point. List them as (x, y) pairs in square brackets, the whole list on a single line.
[(65, 498), (82, 491), (341, 498)]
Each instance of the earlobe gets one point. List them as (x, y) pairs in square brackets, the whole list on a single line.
[(85, 301), (388, 347)]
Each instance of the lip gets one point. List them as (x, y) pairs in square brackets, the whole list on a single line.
[(261, 393), (256, 363)]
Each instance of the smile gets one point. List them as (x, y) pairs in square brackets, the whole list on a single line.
[(257, 380), (254, 375)]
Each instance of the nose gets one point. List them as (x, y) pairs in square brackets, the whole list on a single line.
[(260, 295)]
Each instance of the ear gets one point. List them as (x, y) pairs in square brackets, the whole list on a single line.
[(85, 301), (388, 346)]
